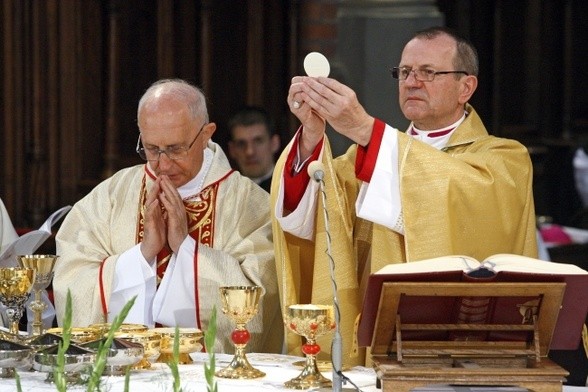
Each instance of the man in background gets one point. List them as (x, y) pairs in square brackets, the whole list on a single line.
[(253, 144)]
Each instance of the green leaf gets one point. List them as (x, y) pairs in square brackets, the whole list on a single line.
[(104, 348), (59, 377), (209, 338), (173, 364)]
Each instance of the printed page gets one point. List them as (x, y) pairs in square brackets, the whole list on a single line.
[(28, 243), (517, 263), (444, 263)]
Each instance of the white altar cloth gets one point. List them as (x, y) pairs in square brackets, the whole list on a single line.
[(278, 369)]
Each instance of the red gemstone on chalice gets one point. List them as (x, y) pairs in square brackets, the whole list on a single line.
[(240, 336), (293, 326), (311, 349), (313, 326)]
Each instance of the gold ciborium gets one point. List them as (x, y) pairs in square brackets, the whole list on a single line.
[(188, 339), (15, 288), (151, 343), (240, 305), (43, 266), (310, 321), (78, 334)]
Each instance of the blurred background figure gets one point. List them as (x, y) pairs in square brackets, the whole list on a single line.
[(581, 174), (253, 144)]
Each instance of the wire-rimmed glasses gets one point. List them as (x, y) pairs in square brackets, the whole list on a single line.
[(174, 153), (420, 74)]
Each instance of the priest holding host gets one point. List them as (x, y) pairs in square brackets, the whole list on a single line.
[(171, 231), (443, 187)]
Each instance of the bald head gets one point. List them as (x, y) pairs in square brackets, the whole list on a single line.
[(178, 91)]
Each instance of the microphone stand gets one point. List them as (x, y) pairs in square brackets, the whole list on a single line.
[(337, 344)]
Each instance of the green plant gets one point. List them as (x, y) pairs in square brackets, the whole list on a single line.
[(18, 386), (59, 377), (173, 364), (209, 369), (93, 381), (104, 348)]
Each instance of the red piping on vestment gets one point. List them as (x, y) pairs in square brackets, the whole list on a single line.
[(102, 296)]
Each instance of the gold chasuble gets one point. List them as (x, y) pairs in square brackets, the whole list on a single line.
[(473, 198)]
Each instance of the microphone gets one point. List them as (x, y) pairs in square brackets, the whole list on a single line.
[(316, 171)]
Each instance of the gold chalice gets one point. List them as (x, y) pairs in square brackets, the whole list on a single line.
[(240, 305), (189, 342), (151, 342), (310, 321), (15, 288), (43, 266)]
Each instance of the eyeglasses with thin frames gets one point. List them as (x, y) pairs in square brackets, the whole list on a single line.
[(174, 153), (420, 74)]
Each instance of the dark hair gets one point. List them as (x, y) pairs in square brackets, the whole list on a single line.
[(251, 115), (466, 57)]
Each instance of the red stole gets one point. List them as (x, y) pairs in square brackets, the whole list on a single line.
[(201, 221), (201, 214)]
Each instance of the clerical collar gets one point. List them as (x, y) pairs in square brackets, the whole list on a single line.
[(437, 138), (191, 189), (437, 132)]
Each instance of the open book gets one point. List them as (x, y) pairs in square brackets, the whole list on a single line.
[(497, 268), (28, 243)]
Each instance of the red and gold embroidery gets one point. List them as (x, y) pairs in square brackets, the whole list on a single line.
[(200, 213)]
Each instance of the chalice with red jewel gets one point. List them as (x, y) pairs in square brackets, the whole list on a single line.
[(240, 304), (310, 321)]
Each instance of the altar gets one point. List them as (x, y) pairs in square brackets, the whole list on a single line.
[(278, 369)]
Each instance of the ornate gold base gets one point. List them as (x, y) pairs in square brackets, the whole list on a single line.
[(310, 377), (240, 368), (183, 358), (143, 364)]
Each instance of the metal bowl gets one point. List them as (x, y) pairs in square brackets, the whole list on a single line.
[(189, 342), (105, 327), (151, 343), (122, 354), (77, 360), (43, 341), (79, 334), (13, 355)]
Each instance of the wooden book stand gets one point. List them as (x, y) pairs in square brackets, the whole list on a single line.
[(411, 348)]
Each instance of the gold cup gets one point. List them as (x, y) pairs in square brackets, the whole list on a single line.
[(240, 305), (310, 321), (189, 342), (151, 342), (124, 327), (15, 288), (43, 266), (78, 334)]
